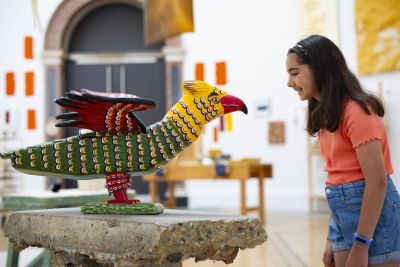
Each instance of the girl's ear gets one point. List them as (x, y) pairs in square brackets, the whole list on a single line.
[(196, 88)]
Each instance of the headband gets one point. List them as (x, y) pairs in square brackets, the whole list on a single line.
[(301, 49)]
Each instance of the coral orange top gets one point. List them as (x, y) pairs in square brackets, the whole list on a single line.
[(338, 148)]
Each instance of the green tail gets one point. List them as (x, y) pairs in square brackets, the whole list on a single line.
[(91, 156), (6, 155)]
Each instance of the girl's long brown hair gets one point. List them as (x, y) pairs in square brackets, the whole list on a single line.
[(335, 83)]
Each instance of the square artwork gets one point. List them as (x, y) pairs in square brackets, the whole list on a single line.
[(276, 132), (378, 35)]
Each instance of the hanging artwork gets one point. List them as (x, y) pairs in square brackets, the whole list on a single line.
[(262, 108), (221, 124), (31, 115), (28, 44), (319, 17), (165, 19), (9, 122), (276, 132), (229, 122), (215, 134), (378, 35), (10, 83), (7, 117), (199, 71), (220, 73), (29, 83)]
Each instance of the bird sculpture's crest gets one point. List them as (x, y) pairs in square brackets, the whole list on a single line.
[(198, 88), (117, 144)]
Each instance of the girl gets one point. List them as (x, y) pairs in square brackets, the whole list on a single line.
[(365, 205)]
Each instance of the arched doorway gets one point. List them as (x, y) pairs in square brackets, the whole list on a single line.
[(99, 45), (106, 53)]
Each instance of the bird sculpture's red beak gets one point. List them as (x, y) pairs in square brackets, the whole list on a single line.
[(232, 103)]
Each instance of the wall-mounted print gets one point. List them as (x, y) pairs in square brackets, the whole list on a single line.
[(378, 35), (10, 83), (165, 19), (31, 119), (276, 132), (319, 17), (29, 83), (28, 45), (262, 108), (229, 122), (220, 73), (199, 71)]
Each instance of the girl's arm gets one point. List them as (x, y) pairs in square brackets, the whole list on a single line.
[(373, 167)]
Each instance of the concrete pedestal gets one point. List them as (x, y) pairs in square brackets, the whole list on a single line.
[(126, 240)]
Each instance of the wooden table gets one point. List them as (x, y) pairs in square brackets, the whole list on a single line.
[(241, 170)]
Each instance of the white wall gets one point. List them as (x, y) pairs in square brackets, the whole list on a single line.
[(16, 22), (253, 38)]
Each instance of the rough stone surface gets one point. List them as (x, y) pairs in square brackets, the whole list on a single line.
[(133, 240)]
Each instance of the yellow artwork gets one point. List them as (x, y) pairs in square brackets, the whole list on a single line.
[(318, 17), (165, 19), (229, 122), (378, 35)]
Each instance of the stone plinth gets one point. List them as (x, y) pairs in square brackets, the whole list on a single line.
[(126, 240)]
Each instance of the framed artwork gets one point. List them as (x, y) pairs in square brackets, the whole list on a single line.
[(276, 132)]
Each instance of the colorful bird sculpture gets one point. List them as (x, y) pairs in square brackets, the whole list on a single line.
[(117, 144)]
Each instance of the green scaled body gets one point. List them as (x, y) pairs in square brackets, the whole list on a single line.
[(120, 142), (90, 155)]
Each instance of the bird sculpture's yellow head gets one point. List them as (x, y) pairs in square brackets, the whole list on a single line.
[(200, 104), (216, 101)]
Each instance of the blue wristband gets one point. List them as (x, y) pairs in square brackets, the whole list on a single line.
[(362, 240)]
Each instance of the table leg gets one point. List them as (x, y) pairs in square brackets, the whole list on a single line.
[(261, 198), (12, 256), (172, 197), (47, 254), (243, 208), (153, 190), (42, 260)]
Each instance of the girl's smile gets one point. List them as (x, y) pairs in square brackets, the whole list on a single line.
[(301, 78)]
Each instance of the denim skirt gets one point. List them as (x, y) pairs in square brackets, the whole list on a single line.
[(345, 204)]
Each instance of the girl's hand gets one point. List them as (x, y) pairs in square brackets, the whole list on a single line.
[(358, 256), (328, 255)]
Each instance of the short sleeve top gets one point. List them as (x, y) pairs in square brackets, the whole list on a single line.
[(339, 148)]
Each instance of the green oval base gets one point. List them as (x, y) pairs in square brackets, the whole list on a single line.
[(133, 209)]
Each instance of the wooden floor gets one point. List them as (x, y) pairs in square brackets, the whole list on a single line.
[(294, 239)]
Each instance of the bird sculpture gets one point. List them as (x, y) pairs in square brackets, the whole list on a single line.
[(116, 143)]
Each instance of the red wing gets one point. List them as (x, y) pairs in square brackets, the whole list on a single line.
[(103, 112)]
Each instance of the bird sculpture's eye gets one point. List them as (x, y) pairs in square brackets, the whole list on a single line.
[(215, 100)]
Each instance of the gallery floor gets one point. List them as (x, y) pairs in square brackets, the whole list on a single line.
[(294, 239)]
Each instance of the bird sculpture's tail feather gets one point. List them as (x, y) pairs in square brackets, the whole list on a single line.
[(6, 155)]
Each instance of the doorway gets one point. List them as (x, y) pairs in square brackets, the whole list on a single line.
[(106, 53)]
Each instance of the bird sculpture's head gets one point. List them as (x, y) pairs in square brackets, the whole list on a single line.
[(211, 101)]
